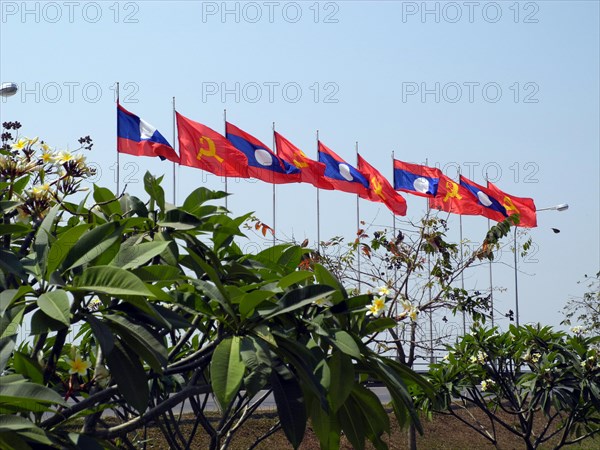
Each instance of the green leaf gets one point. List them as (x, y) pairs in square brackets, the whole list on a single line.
[(193, 202), (226, 370), (28, 367), (15, 393), (153, 188), (137, 255), (380, 324), (351, 420), (342, 371), (343, 341), (10, 320), (294, 278), (102, 333), (59, 249), (128, 372), (15, 423), (376, 419), (7, 345), (43, 236), (158, 272), (251, 300), (14, 228), (92, 244), (56, 305), (111, 205), (326, 427), (298, 298), (323, 276), (178, 219), (290, 406), (111, 280), (9, 263), (140, 340)]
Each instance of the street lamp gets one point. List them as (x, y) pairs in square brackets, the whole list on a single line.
[(8, 89), (561, 207)]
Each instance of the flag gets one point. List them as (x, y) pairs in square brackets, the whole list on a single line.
[(416, 179), (380, 189), (137, 137), (525, 207), (341, 175), (262, 162), (204, 148), (311, 171), (454, 198), (492, 208)]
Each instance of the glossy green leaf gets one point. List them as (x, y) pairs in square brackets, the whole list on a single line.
[(128, 372), (290, 406), (43, 237), (226, 370), (342, 371), (108, 202), (55, 304), (138, 255), (92, 244), (59, 249), (343, 341), (111, 280)]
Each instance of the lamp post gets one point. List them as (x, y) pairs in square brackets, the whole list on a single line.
[(8, 89), (561, 207)]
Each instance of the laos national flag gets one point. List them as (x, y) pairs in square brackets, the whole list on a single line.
[(416, 179), (262, 162), (492, 204), (455, 198), (137, 137), (342, 175)]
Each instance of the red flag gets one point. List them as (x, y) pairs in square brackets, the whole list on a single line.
[(490, 202), (454, 198), (204, 148), (341, 175), (380, 189), (312, 172), (525, 207)]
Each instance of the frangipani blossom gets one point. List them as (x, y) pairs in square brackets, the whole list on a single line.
[(487, 384), (20, 144), (377, 307), (384, 291), (78, 366)]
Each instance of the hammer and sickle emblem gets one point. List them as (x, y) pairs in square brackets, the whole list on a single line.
[(510, 206), (210, 151), (452, 191), (377, 187), (302, 163)]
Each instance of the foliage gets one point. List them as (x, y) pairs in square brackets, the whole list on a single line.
[(415, 271), (137, 307), (546, 382), (585, 311)]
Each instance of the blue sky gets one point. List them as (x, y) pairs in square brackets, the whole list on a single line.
[(507, 88)]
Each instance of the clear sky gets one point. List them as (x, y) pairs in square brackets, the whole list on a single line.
[(507, 88)]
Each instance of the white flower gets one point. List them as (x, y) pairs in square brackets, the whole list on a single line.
[(481, 356), (414, 312), (377, 307), (384, 291), (578, 329), (487, 384), (535, 357)]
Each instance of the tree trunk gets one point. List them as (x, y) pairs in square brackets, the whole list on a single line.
[(412, 437)]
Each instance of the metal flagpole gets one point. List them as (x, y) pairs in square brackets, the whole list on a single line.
[(225, 134), (395, 275), (516, 284), (318, 207), (274, 148), (358, 225), (174, 144), (462, 273), (490, 266), (431, 359), (118, 164)]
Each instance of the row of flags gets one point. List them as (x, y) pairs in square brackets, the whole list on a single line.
[(239, 154)]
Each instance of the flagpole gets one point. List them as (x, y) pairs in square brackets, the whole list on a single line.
[(275, 148), (118, 174), (429, 288), (490, 267), (462, 273), (225, 134), (516, 284), (174, 144), (395, 273), (358, 224), (318, 207)]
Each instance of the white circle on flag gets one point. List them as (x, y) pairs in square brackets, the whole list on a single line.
[(263, 157), (421, 185), (484, 199), (345, 172)]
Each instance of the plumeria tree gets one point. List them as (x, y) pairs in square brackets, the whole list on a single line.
[(414, 273), (583, 313), (539, 384), (134, 307)]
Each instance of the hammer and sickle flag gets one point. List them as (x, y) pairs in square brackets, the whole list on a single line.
[(311, 171), (380, 189), (454, 198), (204, 148), (525, 207)]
